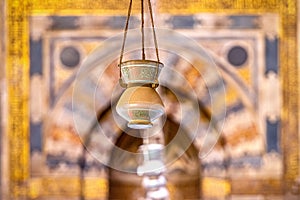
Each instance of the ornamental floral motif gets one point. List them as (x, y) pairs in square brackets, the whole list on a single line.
[(147, 73), (140, 114)]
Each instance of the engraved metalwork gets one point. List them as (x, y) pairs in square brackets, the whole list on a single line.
[(140, 71)]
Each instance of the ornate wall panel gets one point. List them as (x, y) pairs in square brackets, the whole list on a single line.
[(42, 33)]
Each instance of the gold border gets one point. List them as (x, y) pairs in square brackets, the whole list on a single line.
[(290, 94), (68, 187), (224, 6), (17, 70), (3, 104), (81, 7)]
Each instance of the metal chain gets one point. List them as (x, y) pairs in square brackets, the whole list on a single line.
[(125, 35), (153, 29), (143, 30)]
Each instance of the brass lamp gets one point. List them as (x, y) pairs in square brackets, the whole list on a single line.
[(140, 104)]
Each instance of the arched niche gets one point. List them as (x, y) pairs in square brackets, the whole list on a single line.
[(183, 173)]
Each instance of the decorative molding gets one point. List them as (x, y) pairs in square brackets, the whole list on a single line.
[(40, 26), (290, 91), (269, 23), (216, 6)]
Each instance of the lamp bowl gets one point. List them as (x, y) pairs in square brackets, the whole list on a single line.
[(140, 72)]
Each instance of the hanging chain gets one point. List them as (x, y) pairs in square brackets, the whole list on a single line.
[(153, 29), (154, 37), (143, 30), (125, 35)]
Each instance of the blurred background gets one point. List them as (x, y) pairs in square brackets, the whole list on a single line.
[(255, 50)]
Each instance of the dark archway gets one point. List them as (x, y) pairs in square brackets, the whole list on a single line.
[(183, 175)]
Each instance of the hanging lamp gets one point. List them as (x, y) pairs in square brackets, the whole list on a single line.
[(140, 104)]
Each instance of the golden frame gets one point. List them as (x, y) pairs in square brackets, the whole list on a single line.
[(17, 75)]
